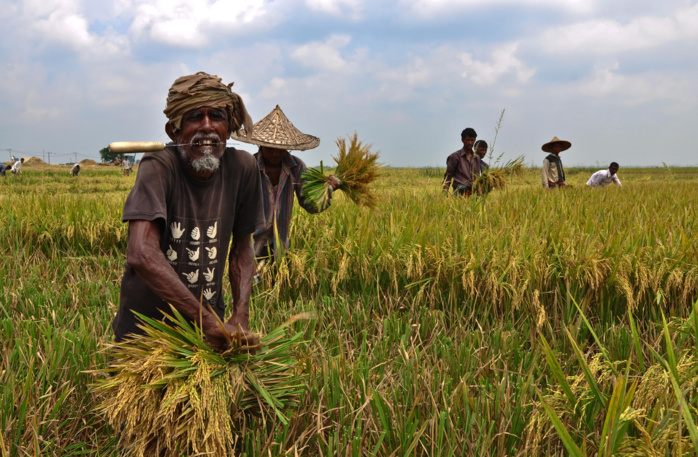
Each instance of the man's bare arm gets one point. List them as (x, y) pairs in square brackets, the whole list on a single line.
[(149, 262), (241, 264)]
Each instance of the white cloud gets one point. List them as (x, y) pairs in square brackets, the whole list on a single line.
[(503, 61), (325, 56), (189, 23), (609, 83), (607, 36), (350, 8), (61, 23), (434, 8), (275, 87)]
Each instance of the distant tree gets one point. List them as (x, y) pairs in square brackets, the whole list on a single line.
[(107, 156)]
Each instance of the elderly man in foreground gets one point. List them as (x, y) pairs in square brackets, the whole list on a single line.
[(187, 202)]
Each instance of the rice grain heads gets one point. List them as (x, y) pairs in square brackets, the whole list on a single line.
[(170, 394)]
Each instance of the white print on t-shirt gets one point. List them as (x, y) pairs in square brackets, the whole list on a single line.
[(177, 230), (171, 254), (208, 294), (209, 274), (195, 234), (212, 252), (193, 255), (212, 230), (192, 277)]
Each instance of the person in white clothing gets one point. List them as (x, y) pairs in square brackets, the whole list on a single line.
[(602, 178), (17, 167)]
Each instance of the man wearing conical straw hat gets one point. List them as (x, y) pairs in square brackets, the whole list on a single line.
[(553, 174), (281, 178), (187, 203)]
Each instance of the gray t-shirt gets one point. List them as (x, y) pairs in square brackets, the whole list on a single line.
[(197, 220)]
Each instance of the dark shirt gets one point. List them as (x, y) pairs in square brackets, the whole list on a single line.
[(460, 171), (278, 202), (197, 220)]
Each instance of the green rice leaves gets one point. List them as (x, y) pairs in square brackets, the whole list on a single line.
[(174, 395), (357, 167)]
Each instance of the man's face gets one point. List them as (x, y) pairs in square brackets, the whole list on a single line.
[(613, 170), (468, 142), (202, 138), (556, 148), (481, 151), (272, 156)]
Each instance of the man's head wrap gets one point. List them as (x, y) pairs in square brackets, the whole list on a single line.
[(206, 91)]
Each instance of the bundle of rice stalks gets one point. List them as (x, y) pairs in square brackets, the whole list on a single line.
[(356, 168), (489, 180), (496, 177), (170, 394)]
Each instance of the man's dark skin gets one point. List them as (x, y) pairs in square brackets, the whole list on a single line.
[(147, 259), (273, 158), (613, 170), (481, 151), (468, 142)]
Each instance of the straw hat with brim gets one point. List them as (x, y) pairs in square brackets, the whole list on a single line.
[(565, 144), (276, 131)]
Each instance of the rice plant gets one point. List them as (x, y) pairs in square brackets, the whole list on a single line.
[(171, 393), (431, 317), (357, 167)]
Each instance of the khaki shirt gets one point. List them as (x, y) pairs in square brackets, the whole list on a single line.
[(549, 173)]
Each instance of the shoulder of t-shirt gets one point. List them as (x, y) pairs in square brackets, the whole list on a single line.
[(167, 158), (240, 156)]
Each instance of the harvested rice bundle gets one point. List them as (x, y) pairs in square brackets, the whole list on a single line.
[(489, 180), (496, 178), (174, 395), (356, 168)]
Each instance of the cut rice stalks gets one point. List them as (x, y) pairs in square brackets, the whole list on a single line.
[(356, 168), (170, 394), (496, 177)]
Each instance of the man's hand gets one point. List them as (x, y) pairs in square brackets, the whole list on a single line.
[(334, 182), (219, 334)]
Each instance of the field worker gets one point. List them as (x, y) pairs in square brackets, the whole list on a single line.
[(552, 173), (186, 203), (127, 166), (75, 170), (2, 169), (462, 166), (603, 178), (480, 149), (17, 167), (280, 173)]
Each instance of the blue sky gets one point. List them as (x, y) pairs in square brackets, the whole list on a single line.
[(616, 78)]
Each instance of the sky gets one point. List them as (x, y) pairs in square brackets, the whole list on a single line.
[(616, 78)]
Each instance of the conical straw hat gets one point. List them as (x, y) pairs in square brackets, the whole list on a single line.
[(276, 131), (565, 144)]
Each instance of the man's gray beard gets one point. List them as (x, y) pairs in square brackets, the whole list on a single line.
[(206, 164)]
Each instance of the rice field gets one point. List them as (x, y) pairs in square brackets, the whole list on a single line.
[(521, 323)]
